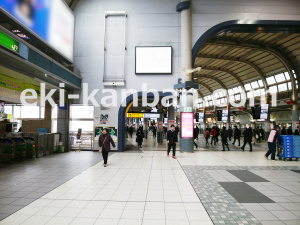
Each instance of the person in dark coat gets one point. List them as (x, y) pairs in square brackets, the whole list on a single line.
[(172, 139), (218, 133), (290, 131), (196, 133), (248, 135), (297, 131), (237, 135), (230, 132), (224, 137), (139, 136), (130, 131), (283, 131), (154, 132), (104, 141)]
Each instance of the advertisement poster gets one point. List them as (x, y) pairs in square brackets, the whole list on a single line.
[(103, 118), (187, 125), (113, 131)]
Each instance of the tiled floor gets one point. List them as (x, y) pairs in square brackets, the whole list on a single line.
[(147, 187)]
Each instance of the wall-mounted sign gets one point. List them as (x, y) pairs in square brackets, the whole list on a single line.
[(9, 42), (113, 131), (187, 125), (171, 122), (143, 115), (187, 109), (201, 117), (160, 125), (135, 115), (42, 130)]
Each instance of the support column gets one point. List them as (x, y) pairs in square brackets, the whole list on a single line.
[(146, 128), (63, 124), (171, 115), (186, 144), (295, 117)]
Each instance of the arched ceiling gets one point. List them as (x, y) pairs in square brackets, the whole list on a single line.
[(237, 58)]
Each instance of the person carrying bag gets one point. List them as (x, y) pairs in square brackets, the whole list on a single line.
[(104, 145)]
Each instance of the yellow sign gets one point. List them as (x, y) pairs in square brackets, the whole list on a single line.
[(14, 84), (135, 115)]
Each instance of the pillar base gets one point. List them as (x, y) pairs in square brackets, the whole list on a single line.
[(187, 145)]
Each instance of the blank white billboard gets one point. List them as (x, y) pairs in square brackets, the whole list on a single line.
[(153, 60)]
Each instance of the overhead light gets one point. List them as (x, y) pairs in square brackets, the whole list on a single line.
[(46, 75)]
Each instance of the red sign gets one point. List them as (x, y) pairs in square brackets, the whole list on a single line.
[(187, 125), (160, 125), (171, 122)]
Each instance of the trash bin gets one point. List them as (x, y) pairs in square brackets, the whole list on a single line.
[(60, 148), (6, 149), (19, 147), (30, 147)]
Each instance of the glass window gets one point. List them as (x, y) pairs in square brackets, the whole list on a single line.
[(201, 105), (290, 85), (240, 89), (217, 95), (83, 112), (84, 125), (209, 97), (257, 92), (261, 83), (237, 97), (30, 112), (250, 94), (53, 126), (247, 87), (231, 98), (206, 104), (218, 101), (54, 112), (205, 98), (280, 77), (273, 89), (222, 100), (282, 87), (271, 80), (210, 103), (17, 112), (225, 99), (8, 109), (235, 90), (221, 94), (230, 91), (254, 84), (43, 112), (287, 76), (262, 91)]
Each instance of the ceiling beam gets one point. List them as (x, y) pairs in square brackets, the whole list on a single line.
[(235, 59)]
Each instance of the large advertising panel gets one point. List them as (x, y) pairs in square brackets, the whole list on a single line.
[(264, 111), (187, 125), (51, 20)]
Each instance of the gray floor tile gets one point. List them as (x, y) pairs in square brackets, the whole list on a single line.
[(247, 176), (6, 201), (272, 206), (23, 201), (10, 209), (3, 216), (263, 215)]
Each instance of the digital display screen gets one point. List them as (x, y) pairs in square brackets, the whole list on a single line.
[(51, 20), (2, 106), (224, 114), (201, 117), (264, 111), (153, 60)]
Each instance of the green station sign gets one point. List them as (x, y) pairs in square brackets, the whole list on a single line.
[(9, 42)]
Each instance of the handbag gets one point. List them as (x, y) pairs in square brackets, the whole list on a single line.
[(101, 148)]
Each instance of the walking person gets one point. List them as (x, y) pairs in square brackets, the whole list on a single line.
[(248, 135), (196, 133), (230, 132), (273, 139), (172, 139), (253, 136), (237, 135), (207, 135), (297, 131), (224, 137), (217, 133), (130, 131), (104, 145), (139, 136), (154, 131), (213, 135)]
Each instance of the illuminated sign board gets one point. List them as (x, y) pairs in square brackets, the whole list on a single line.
[(201, 117), (9, 42), (51, 20), (264, 111), (144, 115), (187, 125)]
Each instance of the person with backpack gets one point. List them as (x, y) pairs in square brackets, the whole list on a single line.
[(274, 138), (237, 135), (224, 137), (104, 145), (206, 136)]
